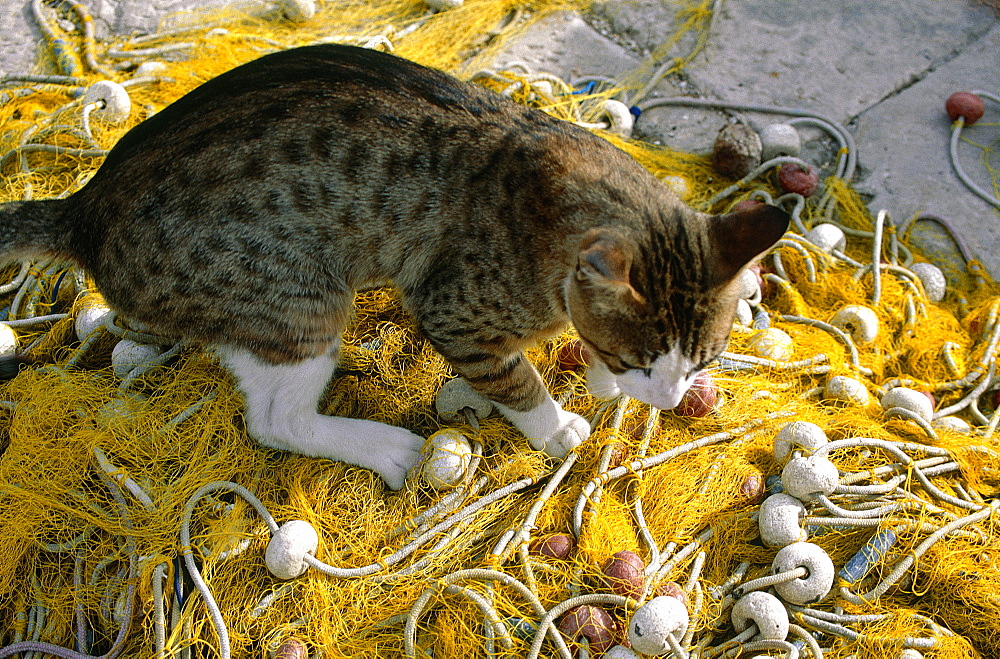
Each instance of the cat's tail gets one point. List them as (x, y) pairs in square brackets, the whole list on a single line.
[(31, 229)]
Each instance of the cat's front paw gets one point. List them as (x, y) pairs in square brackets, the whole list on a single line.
[(387, 450), (396, 452), (572, 431), (549, 427)]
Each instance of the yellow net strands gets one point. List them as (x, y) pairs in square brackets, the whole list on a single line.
[(137, 516)]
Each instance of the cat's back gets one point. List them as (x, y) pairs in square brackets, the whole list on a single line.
[(335, 118), (269, 98), (327, 142), (298, 136)]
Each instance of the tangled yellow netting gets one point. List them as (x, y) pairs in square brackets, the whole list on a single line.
[(97, 473)]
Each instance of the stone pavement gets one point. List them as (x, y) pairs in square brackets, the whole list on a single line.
[(883, 69)]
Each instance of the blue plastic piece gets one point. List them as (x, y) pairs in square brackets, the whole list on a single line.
[(772, 485), (866, 558), (66, 59), (521, 628), (761, 320), (179, 581)]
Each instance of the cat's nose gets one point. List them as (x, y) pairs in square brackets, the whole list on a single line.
[(671, 396), (669, 378), (660, 393)]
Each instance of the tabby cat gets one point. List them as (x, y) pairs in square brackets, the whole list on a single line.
[(245, 215)]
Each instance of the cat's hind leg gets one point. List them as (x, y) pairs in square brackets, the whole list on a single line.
[(281, 412)]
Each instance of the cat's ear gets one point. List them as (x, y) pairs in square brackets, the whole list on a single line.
[(738, 238), (605, 259), (604, 253)]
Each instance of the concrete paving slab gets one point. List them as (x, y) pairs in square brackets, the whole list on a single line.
[(904, 141), (18, 38), (19, 34), (125, 17), (837, 58), (566, 46), (638, 25)]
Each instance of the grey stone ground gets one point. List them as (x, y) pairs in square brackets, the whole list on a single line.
[(883, 69)]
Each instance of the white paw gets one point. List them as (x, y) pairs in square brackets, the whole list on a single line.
[(572, 432), (549, 427), (392, 454), (387, 450)]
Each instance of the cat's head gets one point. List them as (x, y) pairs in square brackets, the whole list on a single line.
[(656, 309)]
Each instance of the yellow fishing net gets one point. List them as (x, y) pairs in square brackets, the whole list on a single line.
[(99, 468)]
